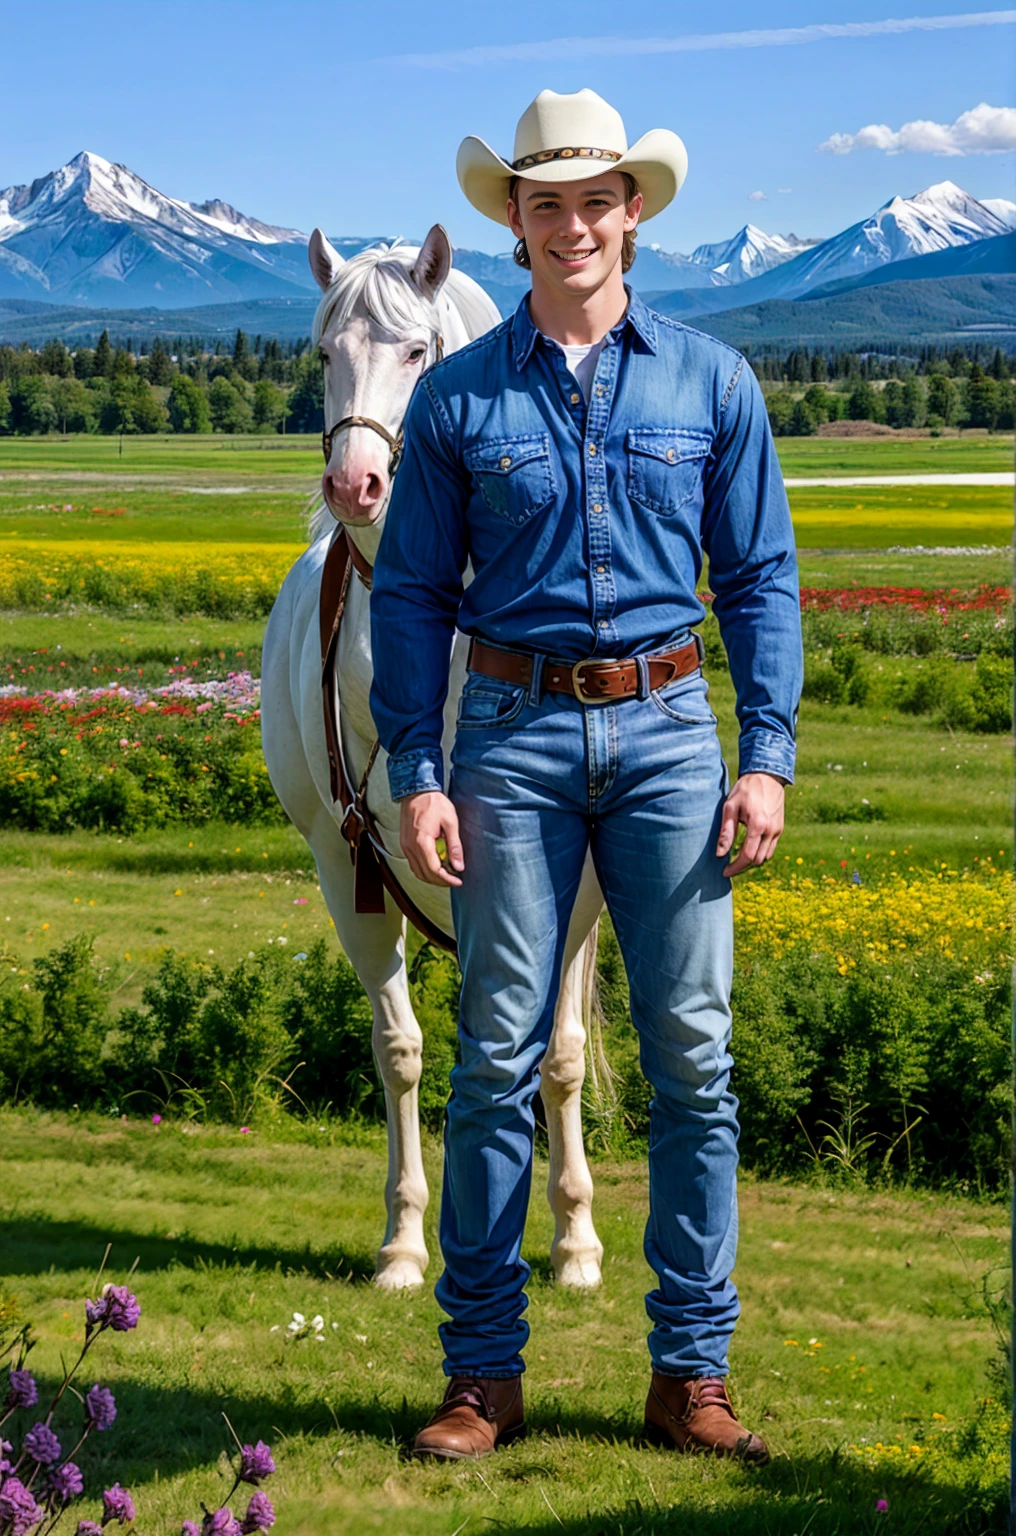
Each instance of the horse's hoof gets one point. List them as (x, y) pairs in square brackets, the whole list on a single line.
[(398, 1273), (579, 1271)]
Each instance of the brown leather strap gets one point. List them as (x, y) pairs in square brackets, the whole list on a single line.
[(372, 873), (592, 682)]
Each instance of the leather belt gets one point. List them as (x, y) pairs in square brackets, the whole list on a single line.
[(591, 681)]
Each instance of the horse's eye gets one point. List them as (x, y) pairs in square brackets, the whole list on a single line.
[(417, 355)]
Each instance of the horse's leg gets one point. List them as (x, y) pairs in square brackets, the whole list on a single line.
[(375, 947), (576, 1252)]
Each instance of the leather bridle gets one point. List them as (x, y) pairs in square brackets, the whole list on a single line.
[(395, 441)]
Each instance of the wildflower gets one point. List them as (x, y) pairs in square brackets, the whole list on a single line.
[(66, 1482), (5, 1462), (42, 1445), (190, 1529), (101, 1406), (256, 1461), (260, 1515), (117, 1308), (88, 1528), (117, 1504), (245, 1130), (156, 1119), (220, 1523), (882, 1507), (18, 1509), (22, 1392)]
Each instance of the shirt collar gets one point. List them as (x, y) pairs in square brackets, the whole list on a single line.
[(637, 315)]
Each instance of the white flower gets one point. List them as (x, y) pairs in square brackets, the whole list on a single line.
[(361, 1338), (317, 1323)]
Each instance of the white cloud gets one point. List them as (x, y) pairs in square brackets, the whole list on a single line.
[(757, 197), (552, 50), (983, 130), (784, 190)]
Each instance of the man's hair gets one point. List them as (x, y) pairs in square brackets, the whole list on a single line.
[(628, 252)]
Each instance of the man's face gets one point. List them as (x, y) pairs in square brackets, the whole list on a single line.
[(573, 230)]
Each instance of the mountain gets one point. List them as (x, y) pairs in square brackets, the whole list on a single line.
[(941, 217), (994, 256), (1002, 209), (750, 253), (884, 317)]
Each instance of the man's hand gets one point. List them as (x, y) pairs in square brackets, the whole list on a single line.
[(757, 800), (426, 818)]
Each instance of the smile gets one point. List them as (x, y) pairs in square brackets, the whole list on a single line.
[(572, 258)]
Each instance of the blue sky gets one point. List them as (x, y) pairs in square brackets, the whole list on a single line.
[(307, 112)]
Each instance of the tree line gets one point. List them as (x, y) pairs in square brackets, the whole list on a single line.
[(263, 385)]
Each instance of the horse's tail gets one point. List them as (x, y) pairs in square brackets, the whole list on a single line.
[(601, 1085)]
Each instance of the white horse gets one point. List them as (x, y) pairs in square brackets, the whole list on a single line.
[(384, 315)]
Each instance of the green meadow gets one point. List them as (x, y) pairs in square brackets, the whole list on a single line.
[(868, 1352)]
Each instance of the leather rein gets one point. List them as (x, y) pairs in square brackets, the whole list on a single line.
[(372, 873)]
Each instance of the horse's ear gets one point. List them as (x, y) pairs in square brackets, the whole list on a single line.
[(433, 263), (324, 259)]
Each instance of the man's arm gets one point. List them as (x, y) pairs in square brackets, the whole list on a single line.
[(413, 607), (749, 538)]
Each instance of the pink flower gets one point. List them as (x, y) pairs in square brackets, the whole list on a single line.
[(156, 1119), (245, 1130), (882, 1507)]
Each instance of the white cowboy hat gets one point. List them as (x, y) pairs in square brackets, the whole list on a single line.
[(570, 138)]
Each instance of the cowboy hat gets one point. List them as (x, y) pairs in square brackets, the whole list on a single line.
[(570, 138)]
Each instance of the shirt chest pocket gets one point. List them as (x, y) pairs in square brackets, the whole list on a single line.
[(665, 467), (515, 475)]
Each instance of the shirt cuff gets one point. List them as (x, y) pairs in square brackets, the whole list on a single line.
[(412, 773), (767, 752)]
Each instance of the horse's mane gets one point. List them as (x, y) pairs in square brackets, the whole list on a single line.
[(380, 278)]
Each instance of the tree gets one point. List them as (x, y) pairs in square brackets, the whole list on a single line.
[(102, 362), (227, 407), (307, 398), (861, 404), (73, 405), (56, 360), (31, 405), (148, 414), (982, 400), (84, 363), (188, 406), (802, 422), (819, 402), (913, 402), (999, 370), (160, 364), (5, 408), (269, 403), (892, 400), (780, 408), (941, 398)]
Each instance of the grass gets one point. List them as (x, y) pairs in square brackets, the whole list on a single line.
[(883, 1294), (877, 517)]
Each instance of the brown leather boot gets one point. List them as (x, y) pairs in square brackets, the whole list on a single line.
[(694, 1413), (478, 1414)]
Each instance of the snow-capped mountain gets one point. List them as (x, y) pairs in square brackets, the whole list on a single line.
[(1002, 209), (750, 253), (93, 232)]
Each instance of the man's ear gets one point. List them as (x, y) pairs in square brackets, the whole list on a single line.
[(325, 261), (433, 263)]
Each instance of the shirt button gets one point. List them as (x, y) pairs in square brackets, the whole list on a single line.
[(592, 450), (600, 389), (597, 506), (506, 463), (671, 455), (574, 399), (600, 570), (604, 624)]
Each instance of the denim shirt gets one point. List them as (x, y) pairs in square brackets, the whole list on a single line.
[(585, 526)]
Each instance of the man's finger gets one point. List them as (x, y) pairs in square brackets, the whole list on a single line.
[(453, 844), (728, 828)]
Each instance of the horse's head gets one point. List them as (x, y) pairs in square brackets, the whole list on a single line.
[(376, 329)]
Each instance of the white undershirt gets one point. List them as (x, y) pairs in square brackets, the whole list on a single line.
[(582, 362)]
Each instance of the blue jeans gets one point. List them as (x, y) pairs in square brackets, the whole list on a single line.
[(536, 781)]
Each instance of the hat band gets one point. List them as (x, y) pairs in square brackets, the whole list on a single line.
[(546, 155)]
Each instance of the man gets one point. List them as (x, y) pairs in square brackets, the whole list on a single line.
[(582, 456)]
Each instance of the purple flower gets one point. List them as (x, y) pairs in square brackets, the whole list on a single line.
[(5, 1463), (220, 1523), (88, 1528), (157, 1120), (22, 1393), (116, 1308), (42, 1445), (882, 1507), (18, 1509), (255, 1462), (66, 1482), (260, 1515), (190, 1529), (101, 1406), (117, 1504)]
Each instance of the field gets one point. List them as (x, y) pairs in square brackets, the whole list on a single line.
[(152, 573)]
